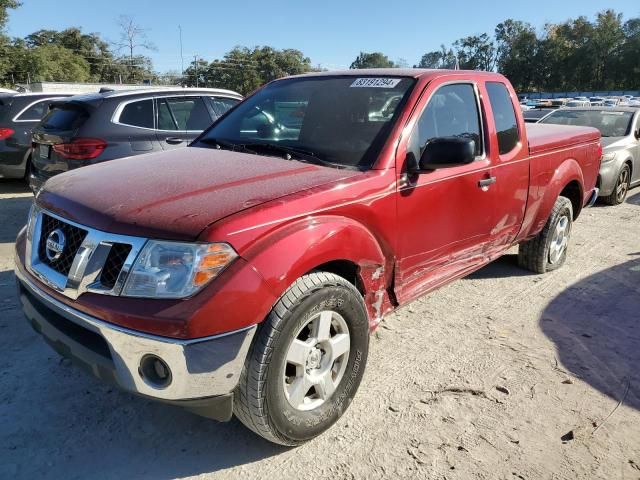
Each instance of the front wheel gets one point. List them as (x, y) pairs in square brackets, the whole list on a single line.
[(548, 250), (306, 361), (621, 189)]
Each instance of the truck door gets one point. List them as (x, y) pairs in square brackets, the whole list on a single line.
[(446, 215), (509, 157)]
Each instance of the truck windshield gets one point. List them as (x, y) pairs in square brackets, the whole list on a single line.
[(610, 123), (341, 121)]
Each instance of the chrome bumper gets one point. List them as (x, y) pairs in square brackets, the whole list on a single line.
[(203, 367)]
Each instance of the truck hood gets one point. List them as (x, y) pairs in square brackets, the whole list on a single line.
[(175, 195)]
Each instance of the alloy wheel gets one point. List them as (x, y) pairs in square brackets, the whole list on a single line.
[(560, 240), (316, 360)]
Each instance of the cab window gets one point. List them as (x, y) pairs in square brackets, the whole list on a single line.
[(504, 115), (452, 111)]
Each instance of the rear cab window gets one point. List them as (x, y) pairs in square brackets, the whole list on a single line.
[(137, 113), (504, 116)]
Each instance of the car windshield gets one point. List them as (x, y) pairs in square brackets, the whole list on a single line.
[(340, 121), (610, 123)]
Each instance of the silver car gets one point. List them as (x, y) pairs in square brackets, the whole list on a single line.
[(620, 129)]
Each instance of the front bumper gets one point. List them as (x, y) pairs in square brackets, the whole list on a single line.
[(204, 371), (608, 177)]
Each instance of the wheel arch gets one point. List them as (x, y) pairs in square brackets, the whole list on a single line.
[(567, 180), (332, 244)]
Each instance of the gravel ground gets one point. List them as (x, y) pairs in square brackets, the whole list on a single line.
[(503, 374)]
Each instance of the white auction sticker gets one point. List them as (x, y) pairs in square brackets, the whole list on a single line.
[(376, 82)]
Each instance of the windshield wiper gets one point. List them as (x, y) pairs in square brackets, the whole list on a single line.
[(224, 145), (293, 153)]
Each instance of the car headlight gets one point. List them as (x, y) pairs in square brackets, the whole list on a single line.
[(176, 270), (607, 157)]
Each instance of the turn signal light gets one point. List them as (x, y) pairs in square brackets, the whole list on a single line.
[(215, 259), (81, 148)]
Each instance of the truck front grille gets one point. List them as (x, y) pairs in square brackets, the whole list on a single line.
[(74, 236), (114, 263), (86, 260)]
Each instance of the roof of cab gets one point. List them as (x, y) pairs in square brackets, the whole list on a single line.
[(400, 72)]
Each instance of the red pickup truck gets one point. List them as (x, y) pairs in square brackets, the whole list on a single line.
[(244, 274)]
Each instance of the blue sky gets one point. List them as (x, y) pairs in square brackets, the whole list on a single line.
[(330, 32)]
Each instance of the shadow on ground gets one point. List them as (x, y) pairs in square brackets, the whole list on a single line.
[(634, 198), (595, 327), (505, 266), (60, 422), (13, 209), (14, 186)]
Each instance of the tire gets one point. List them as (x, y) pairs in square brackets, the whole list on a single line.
[(268, 398), (547, 251), (621, 189)]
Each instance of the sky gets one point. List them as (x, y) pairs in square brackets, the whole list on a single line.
[(330, 32)]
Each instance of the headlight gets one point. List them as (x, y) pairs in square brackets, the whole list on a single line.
[(607, 157), (176, 270)]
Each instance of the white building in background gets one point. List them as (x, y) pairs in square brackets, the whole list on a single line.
[(53, 87)]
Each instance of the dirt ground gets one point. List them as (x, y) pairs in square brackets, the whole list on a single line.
[(503, 375)]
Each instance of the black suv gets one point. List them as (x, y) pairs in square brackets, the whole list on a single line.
[(19, 113), (92, 128)]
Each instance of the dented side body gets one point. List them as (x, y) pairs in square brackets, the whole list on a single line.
[(395, 235)]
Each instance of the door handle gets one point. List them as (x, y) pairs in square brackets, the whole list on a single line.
[(487, 182), (174, 140)]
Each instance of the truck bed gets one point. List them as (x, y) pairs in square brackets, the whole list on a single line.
[(544, 138)]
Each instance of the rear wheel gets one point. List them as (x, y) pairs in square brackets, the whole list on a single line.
[(548, 250), (622, 187), (306, 362)]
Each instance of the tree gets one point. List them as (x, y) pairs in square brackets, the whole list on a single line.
[(244, 69), (5, 61), (102, 63), (6, 5), (49, 63), (132, 36), (477, 52), (516, 50), (372, 60), (443, 58)]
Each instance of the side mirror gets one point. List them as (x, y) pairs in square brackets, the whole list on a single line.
[(447, 152), (638, 134)]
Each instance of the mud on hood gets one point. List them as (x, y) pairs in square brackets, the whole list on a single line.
[(175, 195)]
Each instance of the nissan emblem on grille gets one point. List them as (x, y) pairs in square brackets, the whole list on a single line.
[(55, 245)]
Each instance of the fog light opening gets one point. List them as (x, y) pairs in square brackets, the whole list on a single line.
[(155, 371)]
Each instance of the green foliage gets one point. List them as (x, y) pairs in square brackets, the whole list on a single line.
[(244, 69), (443, 58), (4, 14), (372, 60), (53, 63), (578, 55)]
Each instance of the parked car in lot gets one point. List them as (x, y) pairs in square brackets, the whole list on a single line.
[(87, 129), (620, 130), (19, 114), (534, 115), (577, 103), (245, 273)]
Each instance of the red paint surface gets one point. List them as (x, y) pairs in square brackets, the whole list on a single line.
[(406, 235)]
